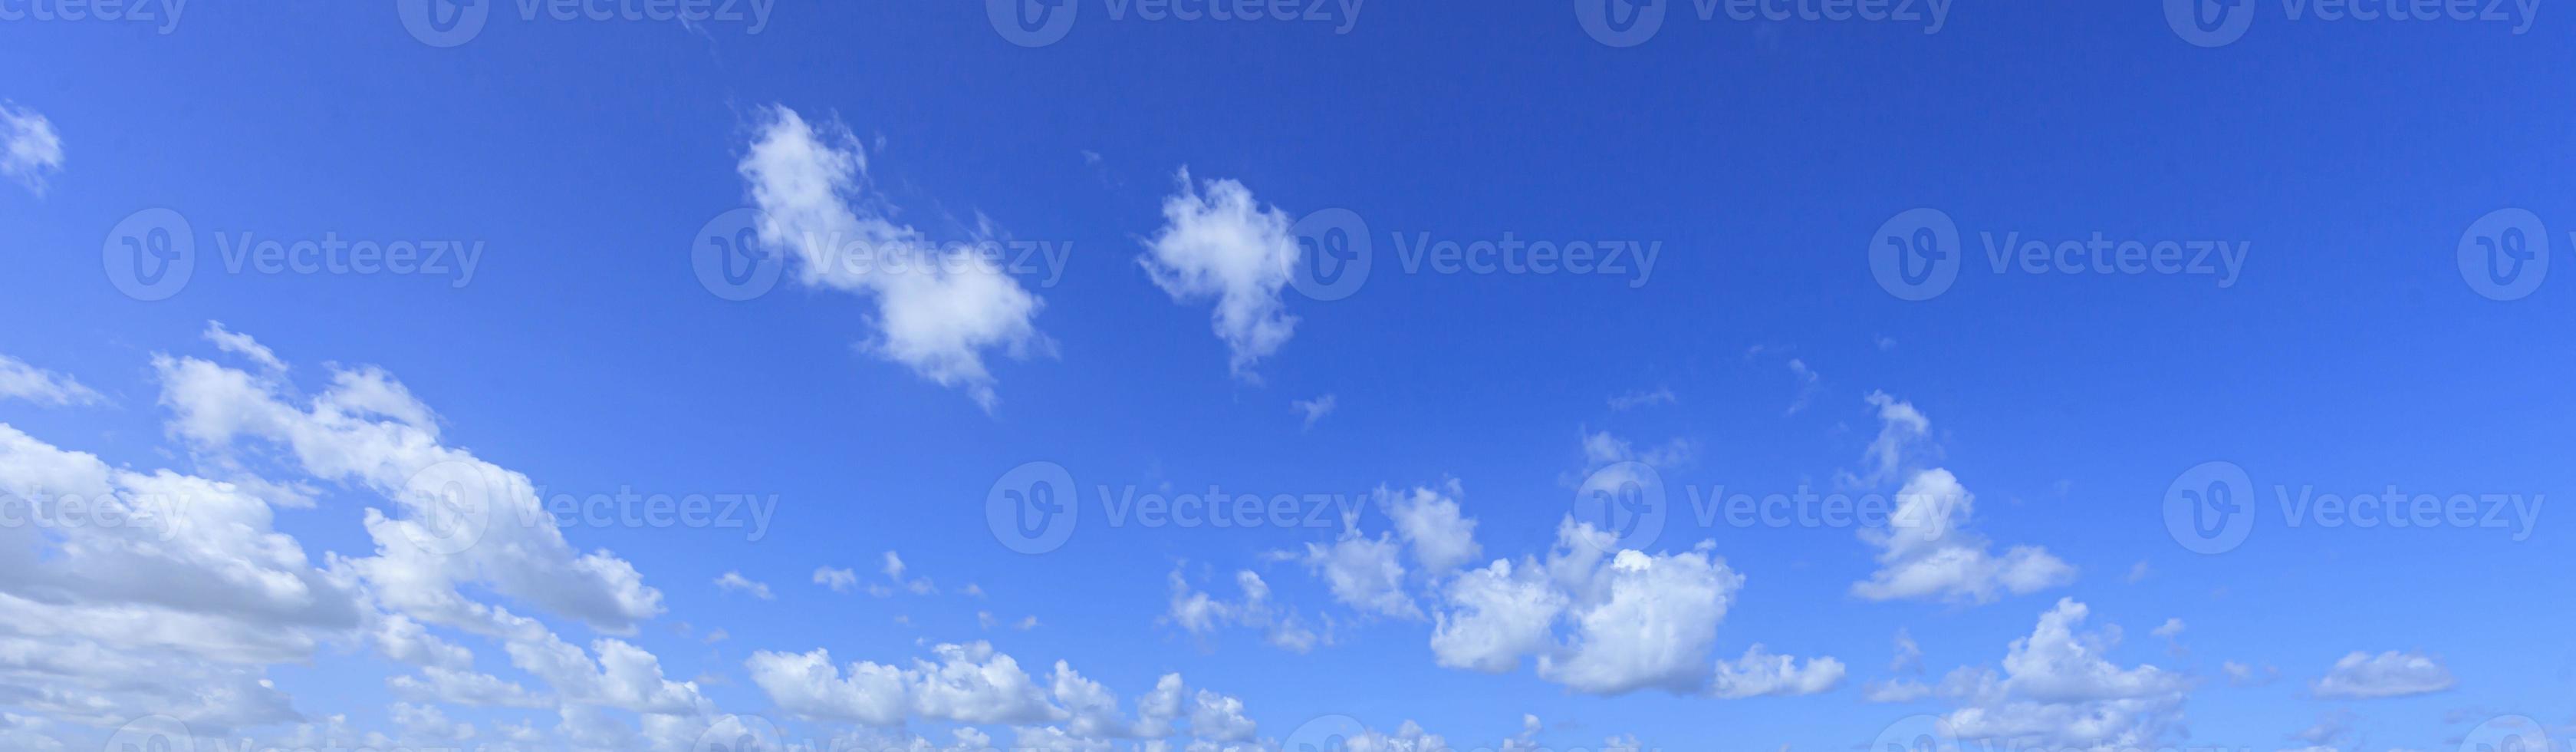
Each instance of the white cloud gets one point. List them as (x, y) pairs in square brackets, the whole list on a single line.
[(2057, 688), (938, 310), (839, 580), (1364, 573), (1925, 550), (1314, 409), (30, 150), (2361, 675), (1909, 656), (1201, 614), (366, 428), (1430, 523), (1901, 430), (1630, 621), (1223, 245), (243, 345), (1761, 673), (2242, 675), (21, 381), (736, 583), (1662, 395)]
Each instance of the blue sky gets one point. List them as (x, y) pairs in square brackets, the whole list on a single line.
[(1152, 187)]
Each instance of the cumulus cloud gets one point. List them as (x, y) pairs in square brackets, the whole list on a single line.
[(939, 311), (1926, 550), (367, 429), (974, 684), (2058, 688), (1595, 622), (30, 150), (2361, 675), (1217, 243)]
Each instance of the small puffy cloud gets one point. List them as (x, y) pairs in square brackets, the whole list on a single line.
[(1761, 673), (18, 380), (2058, 689), (2242, 675), (1633, 621), (734, 582), (2361, 675), (1429, 522), (1314, 409), (1219, 244), (30, 150), (1364, 573), (938, 310), (1926, 552), (839, 580), (1201, 613)]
